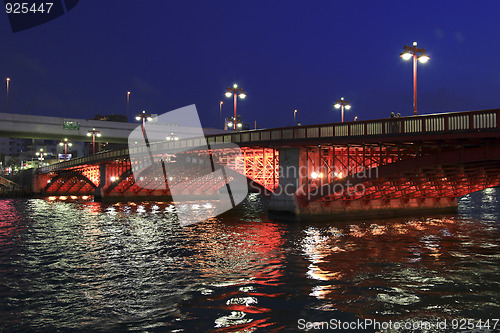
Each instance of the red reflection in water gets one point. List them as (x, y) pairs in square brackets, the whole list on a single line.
[(251, 326), (369, 254), (9, 221), (243, 254)]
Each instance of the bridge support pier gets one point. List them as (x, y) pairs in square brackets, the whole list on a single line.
[(294, 178), (292, 175), (99, 191)]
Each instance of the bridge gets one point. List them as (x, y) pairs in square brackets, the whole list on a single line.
[(371, 168)]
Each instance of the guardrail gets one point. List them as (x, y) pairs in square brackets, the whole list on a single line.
[(447, 122), (99, 157), (425, 124), (8, 183)]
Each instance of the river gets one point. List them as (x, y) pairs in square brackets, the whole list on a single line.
[(131, 266)]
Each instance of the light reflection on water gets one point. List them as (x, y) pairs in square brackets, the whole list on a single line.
[(133, 266)]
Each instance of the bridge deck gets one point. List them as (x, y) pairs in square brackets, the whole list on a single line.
[(421, 129)]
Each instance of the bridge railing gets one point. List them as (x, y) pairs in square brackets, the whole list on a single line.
[(91, 159), (437, 123)]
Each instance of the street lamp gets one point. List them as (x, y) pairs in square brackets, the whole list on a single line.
[(128, 104), (341, 104), (412, 52), (65, 143), (172, 137), (41, 155), (235, 91), (93, 133), (236, 124), (220, 112), (7, 103), (294, 113), (144, 116)]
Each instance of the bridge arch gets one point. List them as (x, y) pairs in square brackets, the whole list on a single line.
[(68, 179)]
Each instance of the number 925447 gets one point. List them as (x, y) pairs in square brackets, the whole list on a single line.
[(25, 8)]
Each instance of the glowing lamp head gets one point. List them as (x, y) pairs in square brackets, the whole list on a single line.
[(347, 106), (242, 95), (89, 134), (239, 125), (149, 118), (137, 118), (70, 144), (337, 106), (229, 94), (235, 85), (98, 135), (423, 58), (406, 55), (314, 175), (61, 144), (229, 124)]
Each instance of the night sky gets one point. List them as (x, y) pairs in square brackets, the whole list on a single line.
[(286, 55)]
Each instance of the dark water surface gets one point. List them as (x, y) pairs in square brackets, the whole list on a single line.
[(90, 266)]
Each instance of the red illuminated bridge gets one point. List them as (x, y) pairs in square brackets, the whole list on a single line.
[(378, 167)]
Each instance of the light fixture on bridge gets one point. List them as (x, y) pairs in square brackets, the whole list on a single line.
[(172, 137), (144, 116), (316, 175), (93, 133), (41, 155), (66, 143), (341, 104), (235, 92), (413, 52)]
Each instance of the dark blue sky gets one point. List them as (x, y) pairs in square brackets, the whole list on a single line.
[(286, 54)]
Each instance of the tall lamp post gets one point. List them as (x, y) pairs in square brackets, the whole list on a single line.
[(236, 92), (144, 116), (294, 117), (65, 143), (220, 112), (41, 156), (412, 52), (128, 104), (341, 104), (93, 133), (7, 102)]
